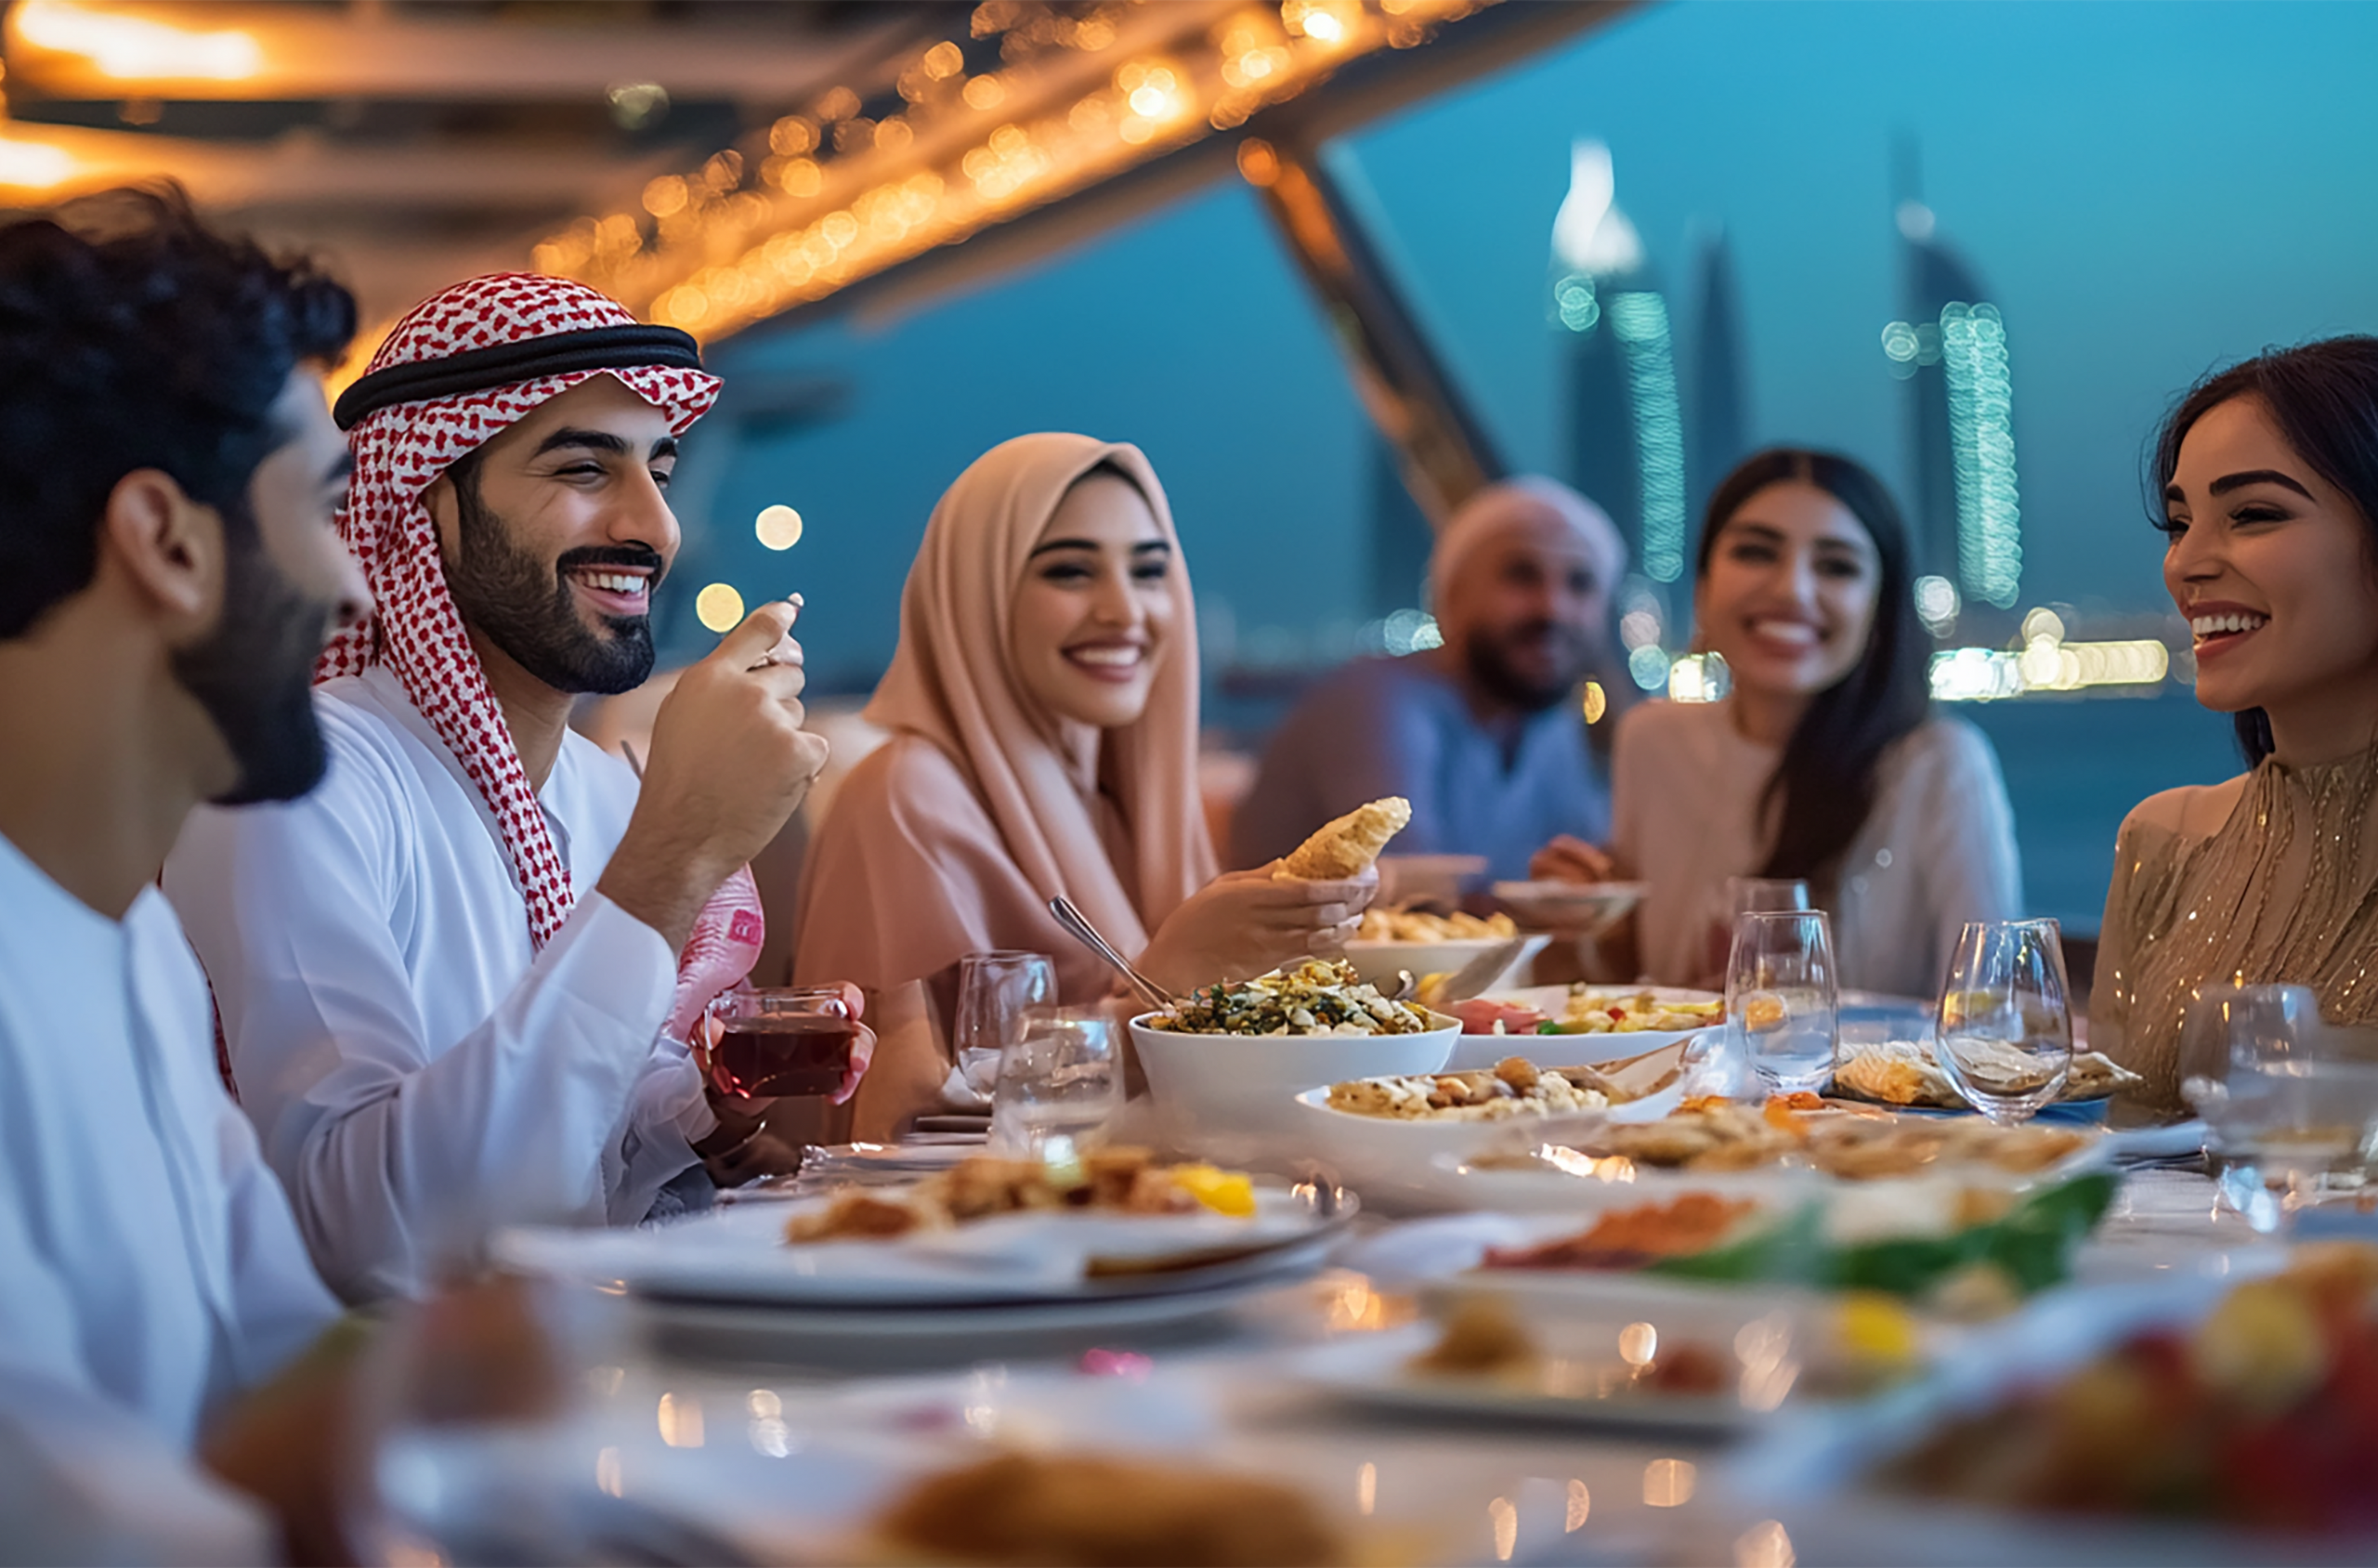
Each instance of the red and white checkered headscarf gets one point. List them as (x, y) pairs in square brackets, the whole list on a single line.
[(415, 629)]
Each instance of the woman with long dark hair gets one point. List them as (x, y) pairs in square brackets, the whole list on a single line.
[(1825, 762), (2266, 486)]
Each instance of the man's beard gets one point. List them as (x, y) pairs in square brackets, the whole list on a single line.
[(1492, 666), (254, 673), (526, 608)]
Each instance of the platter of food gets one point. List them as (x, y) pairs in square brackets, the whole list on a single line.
[(1673, 1359), (1434, 947), (1235, 1055), (1593, 1023), (2192, 1421), (1907, 1074), (1380, 1132), (1114, 1223)]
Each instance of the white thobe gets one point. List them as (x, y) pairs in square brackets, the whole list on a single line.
[(149, 1264), (418, 1074)]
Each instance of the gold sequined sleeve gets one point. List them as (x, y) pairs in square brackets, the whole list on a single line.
[(2109, 988)]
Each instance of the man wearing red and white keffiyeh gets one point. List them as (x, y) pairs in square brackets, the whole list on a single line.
[(450, 980)]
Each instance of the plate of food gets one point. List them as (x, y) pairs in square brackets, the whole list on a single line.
[(1433, 945), (1907, 1074), (1584, 908), (1236, 1054), (1595, 1022), (1116, 1222), (1670, 1359), (1713, 1143), (2192, 1421), (1955, 1251)]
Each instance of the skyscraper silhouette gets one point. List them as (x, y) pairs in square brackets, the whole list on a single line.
[(1625, 427), (1718, 428)]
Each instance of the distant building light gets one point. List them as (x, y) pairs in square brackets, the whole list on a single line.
[(1978, 675), (778, 527), (1649, 668), (1595, 703), (1982, 437), (1937, 605), (1572, 299), (1640, 320), (1410, 630), (1640, 628), (1699, 677)]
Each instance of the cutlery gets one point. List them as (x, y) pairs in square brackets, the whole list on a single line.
[(1078, 926), (1473, 978)]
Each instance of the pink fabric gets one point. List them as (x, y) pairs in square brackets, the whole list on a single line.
[(984, 805), (415, 629)]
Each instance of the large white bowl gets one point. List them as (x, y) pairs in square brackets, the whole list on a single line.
[(1378, 961), (1250, 1083)]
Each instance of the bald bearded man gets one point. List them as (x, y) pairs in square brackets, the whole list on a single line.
[(1485, 734)]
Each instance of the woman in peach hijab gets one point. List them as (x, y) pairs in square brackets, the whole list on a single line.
[(1043, 710)]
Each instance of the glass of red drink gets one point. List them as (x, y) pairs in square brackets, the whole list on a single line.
[(780, 1042)]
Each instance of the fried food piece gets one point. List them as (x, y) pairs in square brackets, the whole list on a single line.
[(1628, 1238), (1077, 1509), (856, 1216), (1482, 1337), (1348, 847)]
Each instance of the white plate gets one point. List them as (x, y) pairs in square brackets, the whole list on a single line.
[(1485, 1051), (1378, 961), (740, 1254), (1589, 906), (1583, 1379), (1220, 1290), (1242, 1084)]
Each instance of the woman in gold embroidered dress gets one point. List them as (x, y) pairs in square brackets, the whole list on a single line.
[(2268, 474)]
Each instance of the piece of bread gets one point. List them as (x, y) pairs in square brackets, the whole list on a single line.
[(1348, 847)]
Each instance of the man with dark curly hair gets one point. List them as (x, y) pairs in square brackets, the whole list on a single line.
[(169, 572)]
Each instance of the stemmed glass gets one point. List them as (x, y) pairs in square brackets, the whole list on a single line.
[(1060, 1079), (994, 990), (1782, 996), (2005, 1024), (1752, 895)]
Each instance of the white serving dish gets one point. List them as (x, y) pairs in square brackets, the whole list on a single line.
[(1249, 1083), (1590, 908), (740, 1254), (1485, 1051), (1441, 877), (1378, 961)]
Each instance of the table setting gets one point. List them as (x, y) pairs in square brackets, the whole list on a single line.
[(1553, 1275)]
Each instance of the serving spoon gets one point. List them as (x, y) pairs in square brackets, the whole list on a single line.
[(1078, 926)]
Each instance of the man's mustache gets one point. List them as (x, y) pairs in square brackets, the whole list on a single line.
[(588, 556)]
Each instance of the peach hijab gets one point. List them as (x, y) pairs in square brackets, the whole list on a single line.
[(985, 804)]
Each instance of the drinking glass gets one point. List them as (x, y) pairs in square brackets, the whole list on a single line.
[(994, 989), (1060, 1078), (780, 1042), (2290, 1105), (1782, 996), (1747, 895), (2005, 1025)]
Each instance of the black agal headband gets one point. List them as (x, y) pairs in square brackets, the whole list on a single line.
[(477, 370)]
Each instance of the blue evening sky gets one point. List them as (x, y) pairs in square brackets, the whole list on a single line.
[(2146, 189)]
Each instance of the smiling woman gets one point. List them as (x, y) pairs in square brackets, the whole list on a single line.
[(2266, 492), (1043, 710), (1825, 764)]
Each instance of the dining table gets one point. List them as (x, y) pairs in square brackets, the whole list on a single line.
[(703, 1431)]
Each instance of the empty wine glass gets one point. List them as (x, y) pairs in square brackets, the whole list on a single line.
[(1060, 1079), (2005, 1025), (1783, 996), (994, 989)]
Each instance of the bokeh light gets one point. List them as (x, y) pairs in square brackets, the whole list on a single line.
[(719, 606), (778, 527)]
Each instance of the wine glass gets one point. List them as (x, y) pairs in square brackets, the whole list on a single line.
[(1060, 1079), (2005, 1024), (993, 989), (1782, 996)]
